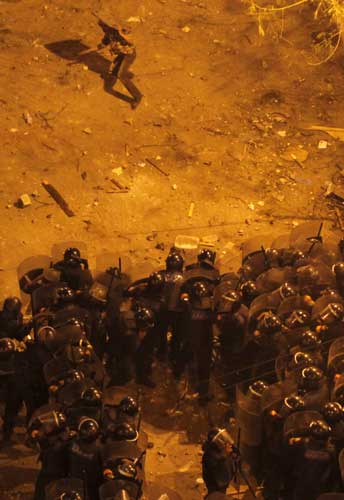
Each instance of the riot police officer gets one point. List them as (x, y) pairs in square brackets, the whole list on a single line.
[(217, 464), (11, 320), (74, 270), (84, 456)]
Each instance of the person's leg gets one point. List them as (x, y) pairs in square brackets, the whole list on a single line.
[(125, 76)]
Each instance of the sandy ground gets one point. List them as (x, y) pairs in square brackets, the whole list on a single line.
[(223, 111)]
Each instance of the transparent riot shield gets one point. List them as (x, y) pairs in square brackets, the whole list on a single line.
[(56, 369), (45, 297), (290, 304), (249, 418), (338, 388), (281, 242), (273, 278), (67, 486), (265, 302), (31, 274), (306, 237), (272, 397), (335, 363), (297, 424), (253, 256)]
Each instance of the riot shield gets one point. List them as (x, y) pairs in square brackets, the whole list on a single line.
[(31, 273), (71, 393), (111, 277), (265, 302), (273, 278), (297, 424), (45, 296), (115, 450), (273, 397), (281, 242), (56, 369), (335, 361), (322, 302), (306, 237), (290, 304), (68, 485), (174, 282), (253, 256), (200, 273), (315, 400), (249, 418), (338, 388)]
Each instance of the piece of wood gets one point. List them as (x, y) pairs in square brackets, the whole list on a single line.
[(119, 185), (157, 167), (58, 198), (339, 217)]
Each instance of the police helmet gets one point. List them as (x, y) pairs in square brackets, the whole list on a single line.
[(311, 378), (200, 289), (294, 402), (310, 340), (257, 388), (144, 318), (338, 269), (92, 397), (333, 412), (123, 432), (207, 256), (88, 429), (70, 495), (286, 290), (12, 305), (249, 290), (156, 280), (269, 323), (319, 429), (174, 262), (129, 406), (72, 256), (299, 317)]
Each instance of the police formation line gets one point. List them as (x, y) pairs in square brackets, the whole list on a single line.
[(272, 333)]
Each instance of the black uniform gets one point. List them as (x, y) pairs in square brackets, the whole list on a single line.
[(84, 462)]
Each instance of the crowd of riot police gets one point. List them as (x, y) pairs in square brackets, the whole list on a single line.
[(272, 333)]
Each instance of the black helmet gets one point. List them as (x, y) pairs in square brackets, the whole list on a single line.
[(310, 340), (297, 257), (338, 269), (47, 335), (207, 256), (12, 305), (307, 274), (257, 388), (123, 432), (249, 290), (269, 323), (92, 397), (70, 495), (220, 438), (286, 290), (233, 299), (7, 346), (174, 262), (334, 311), (294, 402), (73, 376), (199, 290), (64, 294), (319, 429), (333, 412), (311, 378), (72, 256), (156, 280), (299, 317), (129, 406), (272, 256), (126, 469), (88, 429), (144, 318), (302, 359)]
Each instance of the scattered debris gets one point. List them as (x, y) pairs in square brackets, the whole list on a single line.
[(56, 196), (84, 176), (282, 133), (174, 186), (117, 171), (261, 203), (159, 169), (251, 206), (185, 242), (122, 189), (191, 209), (134, 19), (27, 118), (87, 131), (337, 133), (186, 29), (160, 246), (322, 145), (339, 218), (13, 130), (293, 153), (24, 201), (152, 236)]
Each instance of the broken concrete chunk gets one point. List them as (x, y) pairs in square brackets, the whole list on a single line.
[(24, 201), (295, 153), (27, 118)]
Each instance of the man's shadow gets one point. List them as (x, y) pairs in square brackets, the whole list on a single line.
[(72, 50)]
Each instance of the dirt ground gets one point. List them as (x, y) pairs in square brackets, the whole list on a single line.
[(222, 114)]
